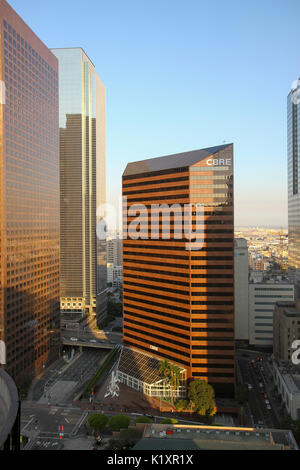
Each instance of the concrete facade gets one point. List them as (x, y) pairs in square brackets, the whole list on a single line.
[(241, 276)]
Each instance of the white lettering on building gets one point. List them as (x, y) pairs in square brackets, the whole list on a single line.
[(218, 162)]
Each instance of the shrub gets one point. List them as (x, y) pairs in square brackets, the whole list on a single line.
[(103, 368), (169, 421), (181, 405), (119, 422), (98, 421), (143, 419)]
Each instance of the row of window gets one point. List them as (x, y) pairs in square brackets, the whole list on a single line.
[(156, 181), (172, 211), (157, 189), (26, 48)]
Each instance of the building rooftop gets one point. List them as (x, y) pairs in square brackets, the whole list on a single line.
[(70, 48), (286, 303), (292, 312), (290, 375), (264, 277), (185, 437), (177, 160), (140, 366)]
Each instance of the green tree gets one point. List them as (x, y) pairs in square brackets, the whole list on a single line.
[(181, 405), (202, 398), (143, 419), (169, 421), (97, 421), (119, 422), (171, 374), (164, 368)]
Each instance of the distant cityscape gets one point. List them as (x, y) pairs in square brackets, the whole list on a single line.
[(265, 246)]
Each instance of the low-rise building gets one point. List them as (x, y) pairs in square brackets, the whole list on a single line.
[(287, 380), (197, 437), (118, 282), (265, 289), (113, 272), (286, 329), (241, 280), (114, 251), (140, 371)]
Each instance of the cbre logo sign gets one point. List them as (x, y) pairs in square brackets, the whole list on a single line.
[(218, 162)]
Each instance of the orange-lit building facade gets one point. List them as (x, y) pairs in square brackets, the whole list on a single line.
[(29, 198), (179, 298)]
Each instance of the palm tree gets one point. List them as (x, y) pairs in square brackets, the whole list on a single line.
[(165, 371), (171, 374), (164, 368), (174, 380)]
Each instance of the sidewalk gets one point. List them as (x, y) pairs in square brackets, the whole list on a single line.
[(36, 381), (80, 443)]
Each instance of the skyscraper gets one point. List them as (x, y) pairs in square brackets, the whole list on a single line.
[(29, 198), (241, 289), (293, 154), (179, 296), (82, 182)]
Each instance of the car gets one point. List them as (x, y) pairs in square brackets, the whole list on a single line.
[(93, 341), (267, 402), (265, 395), (250, 387), (269, 407), (73, 339), (260, 385)]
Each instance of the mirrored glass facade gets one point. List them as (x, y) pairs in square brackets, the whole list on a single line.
[(29, 198), (293, 150), (82, 183)]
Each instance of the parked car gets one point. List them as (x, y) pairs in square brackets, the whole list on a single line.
[(73, 339)]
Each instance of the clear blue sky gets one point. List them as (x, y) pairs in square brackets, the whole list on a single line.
[(184, 75)]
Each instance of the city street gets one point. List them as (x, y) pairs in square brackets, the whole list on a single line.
[(46, 420), (257, 377), (63, 380), (97, 335)]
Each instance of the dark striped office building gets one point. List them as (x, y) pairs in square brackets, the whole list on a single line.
[(178, 291)]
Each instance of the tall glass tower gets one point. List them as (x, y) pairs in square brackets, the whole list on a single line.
[(293, 116), (82, 182), (29, 199)]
